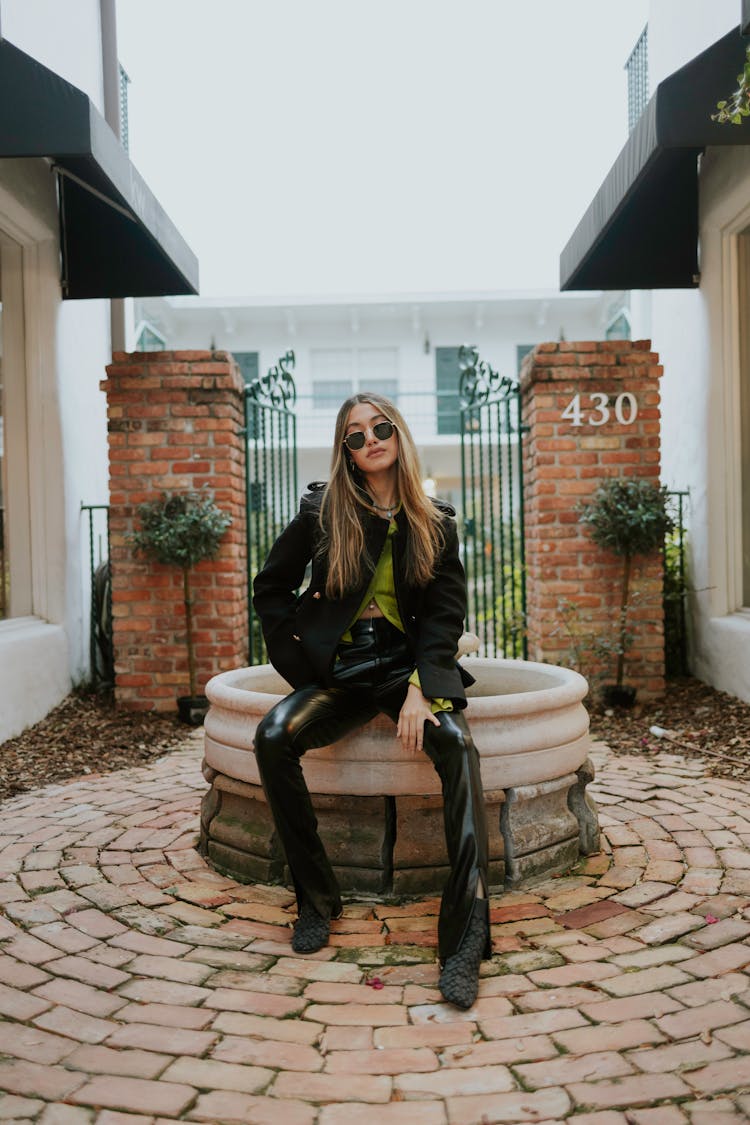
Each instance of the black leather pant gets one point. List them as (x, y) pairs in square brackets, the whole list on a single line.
[(370, 677)]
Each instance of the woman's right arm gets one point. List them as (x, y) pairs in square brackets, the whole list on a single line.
[(275, 602), (283, 571)]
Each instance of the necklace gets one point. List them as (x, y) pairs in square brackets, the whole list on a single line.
[(388, 509)]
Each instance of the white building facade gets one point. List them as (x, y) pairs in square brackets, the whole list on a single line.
[(60, 64), (701, 330), (404, 346)]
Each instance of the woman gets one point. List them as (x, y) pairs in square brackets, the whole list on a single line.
[(376, 631)]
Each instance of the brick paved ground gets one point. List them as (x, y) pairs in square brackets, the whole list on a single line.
[(139, 987)]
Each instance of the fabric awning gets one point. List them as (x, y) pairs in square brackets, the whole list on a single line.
[(641, 229), (116, 239)]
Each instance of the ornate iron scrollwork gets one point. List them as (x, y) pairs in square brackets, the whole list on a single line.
[(276, 388), (479, 381)]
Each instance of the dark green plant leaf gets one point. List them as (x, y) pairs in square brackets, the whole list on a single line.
[(628, 517), (180, 529), (733, 109)]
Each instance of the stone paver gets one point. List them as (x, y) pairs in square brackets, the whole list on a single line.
[(139, 987)]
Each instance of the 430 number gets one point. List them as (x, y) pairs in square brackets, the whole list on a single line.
[(625, 410)]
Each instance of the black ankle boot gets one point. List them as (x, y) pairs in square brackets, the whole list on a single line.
[(459, 980), (311, 930)]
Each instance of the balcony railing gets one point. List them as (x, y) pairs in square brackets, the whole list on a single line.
[(124, 126), (637, 68), (433, 417)]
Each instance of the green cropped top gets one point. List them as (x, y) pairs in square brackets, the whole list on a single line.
[(382, 590)]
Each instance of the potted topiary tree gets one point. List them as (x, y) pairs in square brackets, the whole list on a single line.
[(182, 529), (629, 518)]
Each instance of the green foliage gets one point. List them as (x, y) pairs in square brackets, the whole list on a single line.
[(495, 578), (628, 517), (675, 593), (509, 616), (181, 529), (736, 108), (590, 648)]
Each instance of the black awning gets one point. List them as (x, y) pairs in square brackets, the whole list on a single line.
[(116, 239), (641, 230)]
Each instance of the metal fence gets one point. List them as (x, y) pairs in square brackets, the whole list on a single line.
[(637, 68), (101, 652), (422, 409), (676, 590), (270, 474), (493, 523)]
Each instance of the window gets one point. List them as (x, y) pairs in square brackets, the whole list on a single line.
[(328, 394), (619, 327), (340, 372), (447, 380), (522, 350), (248, 365), (149, 339)]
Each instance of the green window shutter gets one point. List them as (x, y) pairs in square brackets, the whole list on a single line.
[(522, 350), (248, 365), (447, 376)]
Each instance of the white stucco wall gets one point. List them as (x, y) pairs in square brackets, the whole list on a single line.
[(66, 37), (67, 345), (83, 349), (695, 333)]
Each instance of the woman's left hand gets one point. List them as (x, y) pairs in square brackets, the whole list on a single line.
[(415, 712)]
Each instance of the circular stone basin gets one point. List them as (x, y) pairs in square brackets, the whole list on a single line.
[(379, 807)]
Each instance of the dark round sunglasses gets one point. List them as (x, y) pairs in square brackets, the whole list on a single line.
[(381, 430)]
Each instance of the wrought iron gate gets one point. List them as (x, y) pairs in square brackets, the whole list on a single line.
[(492, 489), (270, 474), (101, 649)]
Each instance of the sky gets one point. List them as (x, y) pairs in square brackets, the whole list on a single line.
[(321, 147)]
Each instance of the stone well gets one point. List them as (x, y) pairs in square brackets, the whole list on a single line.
[(379, 808)]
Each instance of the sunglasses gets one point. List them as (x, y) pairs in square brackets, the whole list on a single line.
[(381, 430)]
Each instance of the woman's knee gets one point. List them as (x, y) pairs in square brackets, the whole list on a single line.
[(272, 740), (450, 738)]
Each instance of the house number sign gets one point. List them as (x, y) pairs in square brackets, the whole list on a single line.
[(602, 409)]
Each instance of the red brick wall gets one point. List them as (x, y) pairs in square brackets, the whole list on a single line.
[(563, 464), (174, 424)]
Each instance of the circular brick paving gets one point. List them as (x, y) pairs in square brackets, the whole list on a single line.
[(137, 986)]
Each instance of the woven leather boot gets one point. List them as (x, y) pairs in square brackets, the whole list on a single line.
[(311, 930), (459, 980)]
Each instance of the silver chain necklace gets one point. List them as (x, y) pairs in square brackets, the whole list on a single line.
[(388, 510)]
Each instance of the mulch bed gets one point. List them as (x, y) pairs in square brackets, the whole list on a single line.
[(692, 719), (86, 734)]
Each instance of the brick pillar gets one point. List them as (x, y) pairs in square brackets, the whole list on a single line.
[(565, 458), (175, 421)]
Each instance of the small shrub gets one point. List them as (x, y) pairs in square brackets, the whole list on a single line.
[(628, 518), (181, 529)]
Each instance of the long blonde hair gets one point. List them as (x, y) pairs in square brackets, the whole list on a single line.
[(344, 501)]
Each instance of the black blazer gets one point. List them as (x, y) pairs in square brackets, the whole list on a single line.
[(302, 633)]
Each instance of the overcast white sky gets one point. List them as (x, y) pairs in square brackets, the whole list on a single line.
[(337, 146)]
